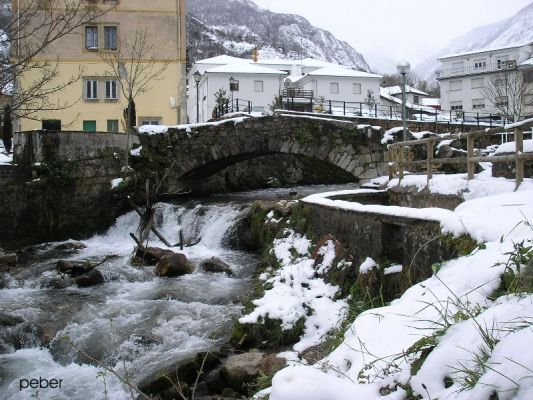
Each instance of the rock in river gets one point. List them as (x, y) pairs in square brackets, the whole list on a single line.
[(173, 265)]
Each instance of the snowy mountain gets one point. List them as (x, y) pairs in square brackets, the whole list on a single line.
[(511, 31), (235, 27)]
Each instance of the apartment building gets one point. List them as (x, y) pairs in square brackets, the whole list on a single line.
[(465, 77), (95, 101)]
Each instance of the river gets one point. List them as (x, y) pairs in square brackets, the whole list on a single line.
[(135, 323)]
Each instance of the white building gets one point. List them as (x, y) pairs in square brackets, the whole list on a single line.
[(464, 77), (414, 96), (260, 82)]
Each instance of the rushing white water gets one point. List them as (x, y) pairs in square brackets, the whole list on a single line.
[(135, 323)]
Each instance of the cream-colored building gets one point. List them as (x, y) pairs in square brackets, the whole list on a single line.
[(95, 100)]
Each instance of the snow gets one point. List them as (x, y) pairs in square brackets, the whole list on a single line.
[(519, 123), (116, 182), (393, 269), (483, 50), (388, 135), (162, 129), (137, 151), (337, 70), (465, 330), (296, 289), (368, 265), (394, 90), (240, 68), (510, 147)]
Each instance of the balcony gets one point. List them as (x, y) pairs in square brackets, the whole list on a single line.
[(453, 72), (298, 94)]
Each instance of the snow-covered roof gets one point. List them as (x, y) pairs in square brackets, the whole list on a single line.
[(393, 90), (241, 68), (430, 101), (528, 62), (222, 60), (465, 53), (337, 70), (383, 93)]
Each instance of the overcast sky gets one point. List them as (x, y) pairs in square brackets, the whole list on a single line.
[(396, 29)]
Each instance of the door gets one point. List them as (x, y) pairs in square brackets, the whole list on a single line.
[(89, 126)]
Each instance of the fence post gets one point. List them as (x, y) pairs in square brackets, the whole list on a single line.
[(237, 102), (330, 110), (469, 154), (344, 108), (400, 163), (490, 119), (249, 106), (477, 120), (392, 160), (519, 141), (361, 109), (390, 111), (429, 166)]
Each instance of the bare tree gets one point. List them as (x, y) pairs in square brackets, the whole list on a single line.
[(135, 67), (34, 26), (507, 91)]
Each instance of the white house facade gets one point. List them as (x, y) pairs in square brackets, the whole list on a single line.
[(260, 82), (464, 78)]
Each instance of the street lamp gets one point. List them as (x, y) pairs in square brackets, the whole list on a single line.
[(197, 78), (403, 68), (232, 86)]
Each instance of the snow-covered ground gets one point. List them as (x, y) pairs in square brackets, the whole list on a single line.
[(456, 335), (5, 159)]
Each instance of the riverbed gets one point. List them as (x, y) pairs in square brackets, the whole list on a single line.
[(135, 323)]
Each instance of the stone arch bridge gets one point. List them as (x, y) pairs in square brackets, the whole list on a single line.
[(186, 154)]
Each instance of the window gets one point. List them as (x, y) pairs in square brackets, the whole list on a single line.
[(51, 124), (478, 104), (111, 90), (258, 86), (356, 88), (150, 120), (500, 81), (457, 67), (456, 85), (91, 37), (110, 37), (334, 88), (478, 83), (480, 64), (456, 106), (112, 125), (89, 126), (501, 62), (528, 76), (91, 90), (416, 99), (500, 101)]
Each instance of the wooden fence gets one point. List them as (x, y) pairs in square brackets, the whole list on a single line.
[(398, 160)]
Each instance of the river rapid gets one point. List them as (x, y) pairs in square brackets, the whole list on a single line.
[(135, 323)]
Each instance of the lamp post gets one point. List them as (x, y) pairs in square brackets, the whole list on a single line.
[(197, 77), (232, 82), (403, 68)]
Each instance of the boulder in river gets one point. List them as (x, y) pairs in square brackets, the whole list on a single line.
[(70, 246), (91, 278), (150, 255), (9, 320), (73, 268), (175, 264), (215, 264)]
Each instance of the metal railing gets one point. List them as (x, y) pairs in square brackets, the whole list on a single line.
[(298, 93), (472, 70), (394, 112), (398, 161), (237, 105)]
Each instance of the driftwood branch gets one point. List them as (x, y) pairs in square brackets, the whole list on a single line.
[(152, 228)]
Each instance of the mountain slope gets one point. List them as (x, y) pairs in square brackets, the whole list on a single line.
[(235, 27), (511, 31)]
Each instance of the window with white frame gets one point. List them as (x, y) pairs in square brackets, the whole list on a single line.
[(456, 106), (258, 86), (334, 88), (501, 62), (110, 37), (501, 101), (480, 64), (456, 85), (356, 88), (91, 37), (112, 125), (111, 90), (416, 99), (150, 120), (478, 83), (91, 89), (478, 104)]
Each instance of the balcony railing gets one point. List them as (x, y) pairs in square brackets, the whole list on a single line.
[(451, 72), (298, 94)]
